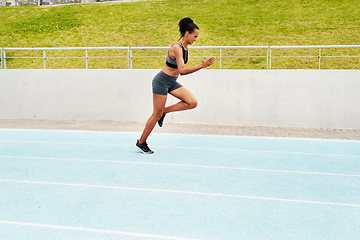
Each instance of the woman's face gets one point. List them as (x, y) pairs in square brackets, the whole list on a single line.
[(191, 37)]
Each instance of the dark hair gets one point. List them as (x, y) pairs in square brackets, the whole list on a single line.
[(187, 24)]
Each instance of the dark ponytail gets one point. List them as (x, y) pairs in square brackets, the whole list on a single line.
[(187, 24)]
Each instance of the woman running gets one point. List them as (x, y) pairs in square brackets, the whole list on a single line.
[(165, 81)]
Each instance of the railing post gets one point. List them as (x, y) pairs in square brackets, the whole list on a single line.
[(130, 58), (129, 49), (220, 57), (44, 59), (86, 56), (270, 59), (319, 57), (267, 58), (4, 59)]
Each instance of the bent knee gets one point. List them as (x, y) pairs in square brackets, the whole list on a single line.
[(192, 104), (158, 115)]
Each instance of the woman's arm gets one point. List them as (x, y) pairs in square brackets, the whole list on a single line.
[(187, 70)]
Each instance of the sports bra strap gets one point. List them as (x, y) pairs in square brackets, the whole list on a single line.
[(172, 62)]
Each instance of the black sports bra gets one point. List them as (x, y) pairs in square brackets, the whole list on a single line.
[(172, 62)]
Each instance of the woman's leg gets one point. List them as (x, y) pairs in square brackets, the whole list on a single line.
[(188, 101), (159, 102)]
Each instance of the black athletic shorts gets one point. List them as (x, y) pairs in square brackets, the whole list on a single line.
[(163, 84)]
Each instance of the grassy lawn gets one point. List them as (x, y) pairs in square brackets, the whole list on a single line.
[(154, 23)]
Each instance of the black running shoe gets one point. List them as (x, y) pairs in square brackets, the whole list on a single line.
[(144, 147), (161, 120)]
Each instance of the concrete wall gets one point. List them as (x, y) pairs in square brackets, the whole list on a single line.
[(308, 98)]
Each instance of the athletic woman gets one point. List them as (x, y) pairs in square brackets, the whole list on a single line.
[(165, 81)]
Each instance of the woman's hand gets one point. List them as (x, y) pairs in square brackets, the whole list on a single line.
[(207, 62), (187, 70)]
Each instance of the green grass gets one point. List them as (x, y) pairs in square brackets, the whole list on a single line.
[(154, 23)]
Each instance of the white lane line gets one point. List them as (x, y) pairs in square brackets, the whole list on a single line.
[(193, 148), (181, 192), (104, 231), (187, 165), (66, 143)]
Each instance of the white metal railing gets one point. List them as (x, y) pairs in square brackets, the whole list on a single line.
[(312, 47), (238, 47), (130, 56), (220, 48), (44, 57)]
